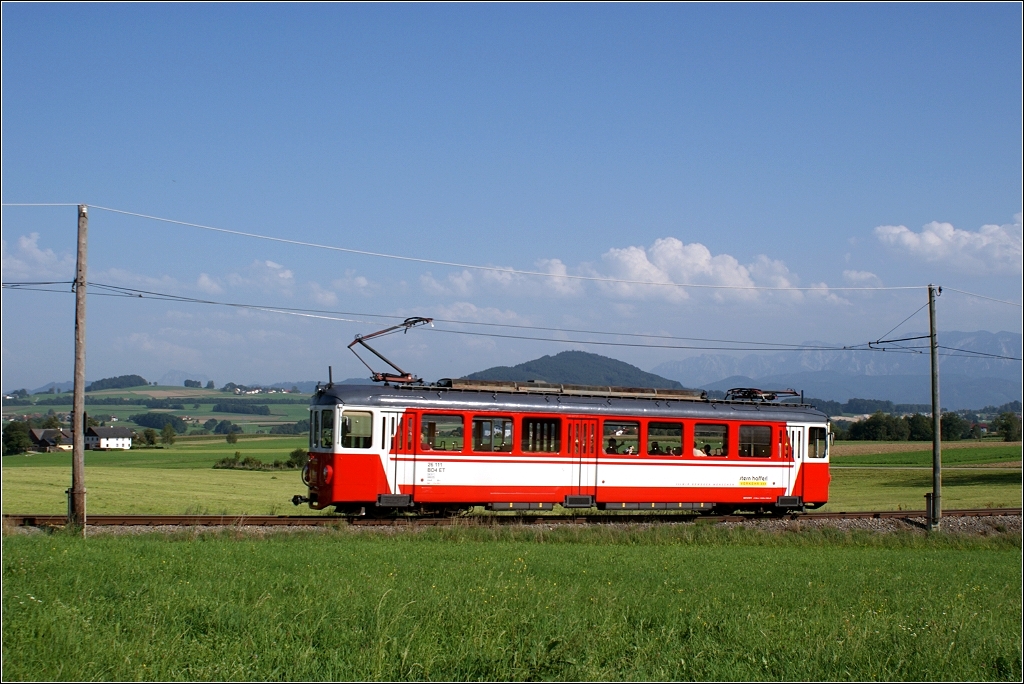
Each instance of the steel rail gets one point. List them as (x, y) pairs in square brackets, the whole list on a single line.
[(28, 520)]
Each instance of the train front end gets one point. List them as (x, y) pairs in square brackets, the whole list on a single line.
[(345, 468)]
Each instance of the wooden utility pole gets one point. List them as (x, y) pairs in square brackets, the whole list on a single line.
[(76, 495), (935, 512)]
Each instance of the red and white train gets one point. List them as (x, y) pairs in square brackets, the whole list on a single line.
[(516, 446)]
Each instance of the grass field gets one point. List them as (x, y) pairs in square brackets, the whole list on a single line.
[(180, 479), (996, 453), (889, 489), (678, 603), (189, 397)]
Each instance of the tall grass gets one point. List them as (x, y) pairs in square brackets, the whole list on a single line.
[(669, 602)]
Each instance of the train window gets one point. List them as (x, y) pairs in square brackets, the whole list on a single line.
[(665, 439), (817, 442), (356, 429), (314, 429), (441, 433), (492, 434), (755, 440), (621, 438), (327, 429), (710, 440), (542, 434)]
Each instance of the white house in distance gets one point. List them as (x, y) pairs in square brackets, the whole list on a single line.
[(108, 438)]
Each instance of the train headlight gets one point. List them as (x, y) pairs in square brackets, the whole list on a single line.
[(326, 474)]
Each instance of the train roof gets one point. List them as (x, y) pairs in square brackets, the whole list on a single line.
[(554, 398)]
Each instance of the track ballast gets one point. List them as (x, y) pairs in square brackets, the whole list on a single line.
[(28, 520)]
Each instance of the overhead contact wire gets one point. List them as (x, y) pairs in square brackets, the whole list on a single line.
[(496, 269)]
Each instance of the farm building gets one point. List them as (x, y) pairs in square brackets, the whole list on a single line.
[(51, 439), (101, 438)]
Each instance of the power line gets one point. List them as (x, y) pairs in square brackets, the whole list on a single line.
[(923, 306), (134, 293), (991, 299), (497, 269)]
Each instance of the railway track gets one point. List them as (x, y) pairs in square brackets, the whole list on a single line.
[(25, 520)]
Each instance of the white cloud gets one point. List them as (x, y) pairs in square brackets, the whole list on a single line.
[(207, 284), (567, 287), (466, 311), (861, 278), (670, 260), (506, 280), (822, 291), (30, 262), (322, 296), (264, 275), (771, 273), (459, 284), (353, 283), (991, 248)]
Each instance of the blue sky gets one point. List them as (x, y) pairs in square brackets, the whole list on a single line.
[(806, 145)]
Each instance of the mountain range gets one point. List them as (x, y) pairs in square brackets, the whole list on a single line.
[(901, 376), (905, 358)]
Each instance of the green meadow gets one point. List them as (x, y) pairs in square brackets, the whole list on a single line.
[(181, 479), (694, 602), (198, 404), (951, 456)]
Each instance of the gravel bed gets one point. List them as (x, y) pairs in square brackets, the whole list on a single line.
[(970, 525), (965, 525)]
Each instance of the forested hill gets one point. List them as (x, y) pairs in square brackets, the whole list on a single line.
[(577, 368)]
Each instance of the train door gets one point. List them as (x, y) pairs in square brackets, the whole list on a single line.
[(798, 446), (582, 439), (407, 442), (389, 423)]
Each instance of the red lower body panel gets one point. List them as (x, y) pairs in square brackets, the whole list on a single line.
[(815, 481)]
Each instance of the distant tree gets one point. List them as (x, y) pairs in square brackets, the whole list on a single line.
[(954, 428), (867, 406), (299, 428), (210, 385), (51, 422), (167, 435), (90, 421), (1007, 425), (232, 438), (149, 436), (210, 425), (881, 427), (829, 408), (241, 406), (920, 428), (120, 382), (157, 421), (16, 439), (295, 389), (21, 394), (195, 384)]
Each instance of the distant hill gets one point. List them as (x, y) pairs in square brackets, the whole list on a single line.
[(577, 368), (956, 391)]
